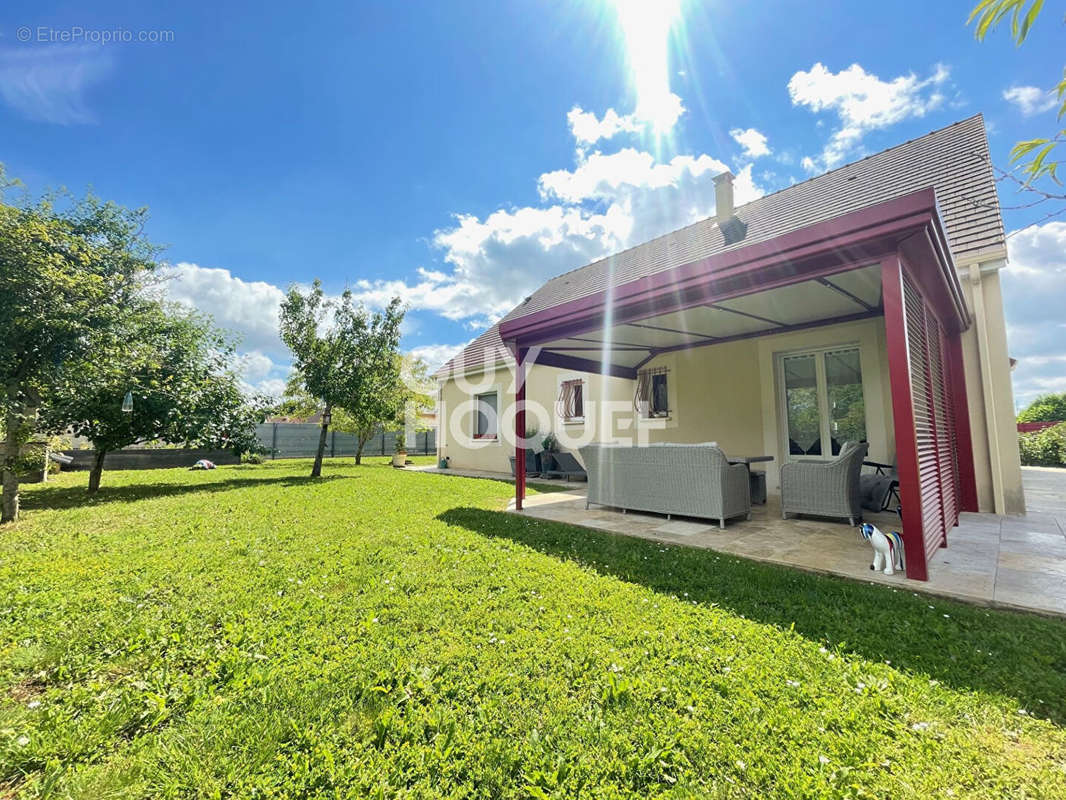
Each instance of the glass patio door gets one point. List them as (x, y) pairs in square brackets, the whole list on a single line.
[(822, 402)]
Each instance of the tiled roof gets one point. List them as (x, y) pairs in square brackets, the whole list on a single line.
[(953, 160), (486, 349)]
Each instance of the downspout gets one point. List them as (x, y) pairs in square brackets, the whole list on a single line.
[(999, 503)]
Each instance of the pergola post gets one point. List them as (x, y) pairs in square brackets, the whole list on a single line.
[(961, 411), (520, 428), (903, 417)]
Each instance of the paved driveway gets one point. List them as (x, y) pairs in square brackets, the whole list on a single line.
[(1045, 494)]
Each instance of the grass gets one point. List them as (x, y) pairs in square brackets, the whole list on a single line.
[(378, 633)]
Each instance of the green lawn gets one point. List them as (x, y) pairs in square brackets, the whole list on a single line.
[(249, 632)]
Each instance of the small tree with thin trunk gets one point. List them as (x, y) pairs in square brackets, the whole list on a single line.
[(177, 369), (345, 355), (66, 281)]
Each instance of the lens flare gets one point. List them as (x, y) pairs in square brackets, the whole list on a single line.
[(646, 26)]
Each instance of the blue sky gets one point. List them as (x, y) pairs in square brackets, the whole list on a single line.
[(433, 149)]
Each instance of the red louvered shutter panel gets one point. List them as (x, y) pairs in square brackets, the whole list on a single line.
[(947, 464), (934, 423), (924, 419)]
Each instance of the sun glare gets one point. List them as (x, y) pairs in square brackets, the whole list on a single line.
[(646, 26)]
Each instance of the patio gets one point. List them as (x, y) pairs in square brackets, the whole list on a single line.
[(1004, 561)]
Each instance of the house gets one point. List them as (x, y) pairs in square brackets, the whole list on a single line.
[(862, 304)]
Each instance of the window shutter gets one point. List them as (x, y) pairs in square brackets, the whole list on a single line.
[(934, 423)]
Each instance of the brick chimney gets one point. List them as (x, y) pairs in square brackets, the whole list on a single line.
[(723, 196)]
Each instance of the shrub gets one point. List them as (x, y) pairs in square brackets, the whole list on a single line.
[(32, 460), (1046, 408), (248, 457), (1046, 448)]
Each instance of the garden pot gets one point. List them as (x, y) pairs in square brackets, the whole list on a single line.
[(399, 459)]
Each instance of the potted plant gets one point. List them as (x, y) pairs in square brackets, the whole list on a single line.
[(550, 444), (534, 462), (399, 457)]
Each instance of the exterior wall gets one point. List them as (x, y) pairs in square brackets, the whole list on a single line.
[(725, 393), (989, 393), (608, 413)]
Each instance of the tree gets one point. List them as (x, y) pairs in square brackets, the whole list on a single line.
[(1046, 408), (295, 401), (66, 278), (1034, 157), (177, 369), (345, 356)]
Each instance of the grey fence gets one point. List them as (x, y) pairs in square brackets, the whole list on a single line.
[(300, 440), (149, 458)]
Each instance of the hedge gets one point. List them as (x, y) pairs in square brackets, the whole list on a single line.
[(1046, 448)]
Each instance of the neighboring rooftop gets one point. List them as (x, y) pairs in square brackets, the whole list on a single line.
[(953, 160)]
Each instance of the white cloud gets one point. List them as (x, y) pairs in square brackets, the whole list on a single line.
[(753, 142), (587, 128), (436, 355), (1034, 294), (606, 203), (48, 84), (248, 308), (255, 366), (1030, 100), (272, 387), (862, 102)]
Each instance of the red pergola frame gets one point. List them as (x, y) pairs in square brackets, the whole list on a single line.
[(904, 235)]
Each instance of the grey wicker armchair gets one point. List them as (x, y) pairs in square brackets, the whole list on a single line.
[(824, 488)]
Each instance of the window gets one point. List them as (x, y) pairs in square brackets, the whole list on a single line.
[(571, 401), (485, 416), (653, 393), (823, 402)]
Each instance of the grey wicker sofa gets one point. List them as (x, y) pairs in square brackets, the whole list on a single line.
[(825, 488), (693, 480)]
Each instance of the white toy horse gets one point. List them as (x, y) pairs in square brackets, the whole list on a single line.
[(888, 547)]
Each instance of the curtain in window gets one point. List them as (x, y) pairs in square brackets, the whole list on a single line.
[(571, 400), (651, 397), (485, 416)]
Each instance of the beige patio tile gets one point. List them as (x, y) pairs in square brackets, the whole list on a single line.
[(1016, 581), (683, 528), (1037, 544), (1030, 601), (1026, 562), (1022, 527)]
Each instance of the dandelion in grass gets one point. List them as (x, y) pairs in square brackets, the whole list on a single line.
[(22, 741)]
